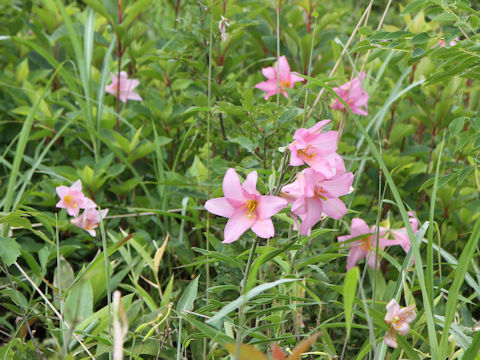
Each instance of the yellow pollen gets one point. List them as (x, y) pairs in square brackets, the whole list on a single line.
[(305, 154), (250, 207), (285, 84), (319, 192), (366, 243), (395, 319), (68, 199)]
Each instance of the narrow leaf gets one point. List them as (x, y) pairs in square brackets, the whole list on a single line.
[(349, 291)]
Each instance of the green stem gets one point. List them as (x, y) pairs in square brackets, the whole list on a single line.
[(241, 314)]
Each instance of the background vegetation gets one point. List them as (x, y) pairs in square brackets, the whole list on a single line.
[(154, 163)]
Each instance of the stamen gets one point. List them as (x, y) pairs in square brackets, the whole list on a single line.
[(285, 84), (305, 154), (250, 207), (366, 243), (319, 192)]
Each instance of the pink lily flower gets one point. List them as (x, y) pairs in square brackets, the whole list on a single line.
[(245, 207), (89, 220), (123, 87), (354, 95), (365, 246), (399, 319), (401, 235), (72, 198), (313, 196), (222, 27), (287, 79), (317, 149), (441, 42)]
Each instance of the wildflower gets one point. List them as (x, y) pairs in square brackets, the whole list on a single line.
[(245, 207), (89, 220), (72, 198), (354, 96), (278, 82), (365, 246), (399, 319), (123, 87), (222, 26), (317, 149), (401, 235), (313, 195)]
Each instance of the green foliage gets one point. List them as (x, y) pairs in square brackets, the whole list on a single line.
[(153, 164)]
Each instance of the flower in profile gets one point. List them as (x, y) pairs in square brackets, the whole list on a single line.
[(89, 220), (123, 87), (354, 96), (317, 149), (278, 82), (364, 246), (313, 195), (222, 27), (245, 207), (401, 235), (399, 320), (72, 198)]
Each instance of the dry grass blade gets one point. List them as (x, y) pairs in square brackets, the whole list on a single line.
[(247, 352), (302, 347)]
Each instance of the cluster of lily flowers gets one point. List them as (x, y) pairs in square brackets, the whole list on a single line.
[(72, 199), (315, 193)]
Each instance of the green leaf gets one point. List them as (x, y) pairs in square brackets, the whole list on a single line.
[(210, 332), (185, 303), (349, 292), (79, 303), (472, 351), (235, 304), (456, 126), (444, 17), (9, 250), (414, 6)]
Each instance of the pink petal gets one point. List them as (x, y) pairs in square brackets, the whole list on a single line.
[(391, 338), (270, 205), (393, 307), (132, 95), (62, 190), (359, 227), (237, 225), (232, 189), (269, 73), (312, 216), (402, 327), (354, 255), (407, 313), (220, 207), (264, 228), (86, 203), (294, 78), (371, 255), (250, 183), (334, 208), (339, 185), (284, 67), (77, 186), (270, 87), (113, 77)]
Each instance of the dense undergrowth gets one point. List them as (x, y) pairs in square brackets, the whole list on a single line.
[(404, 133)]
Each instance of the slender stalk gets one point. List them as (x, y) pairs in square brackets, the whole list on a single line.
[(209, 114), (241, 314), (279, 2), (59, 287), (120, 55)]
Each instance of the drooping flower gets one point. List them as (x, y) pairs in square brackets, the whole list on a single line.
[(284, 78), (222, 27), (317, 149), (245, 207), (123, 87), (399, 319), (72, 198), (401, 235), (354, 95), (364, 247), (89, 220), (314, 195)]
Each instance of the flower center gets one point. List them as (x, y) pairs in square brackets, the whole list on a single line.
[(396, 319), (306, 154), (318, 193), (90, 225), (250, 208), (366, 243), (285, 84), (68, 199)]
